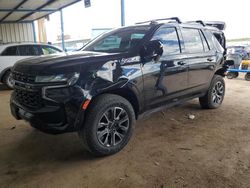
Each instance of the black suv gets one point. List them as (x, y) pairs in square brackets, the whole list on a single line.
[(119, 77)]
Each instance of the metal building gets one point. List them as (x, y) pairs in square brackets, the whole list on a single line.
[(16, 32), (17, 17)]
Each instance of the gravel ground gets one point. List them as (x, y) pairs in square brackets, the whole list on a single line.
[(167, 150)]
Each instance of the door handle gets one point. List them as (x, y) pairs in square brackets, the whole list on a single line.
[(210, 59), (181, 63)]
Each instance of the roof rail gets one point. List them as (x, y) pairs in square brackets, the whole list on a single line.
[(162, 19)]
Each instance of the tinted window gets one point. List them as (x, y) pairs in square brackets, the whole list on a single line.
[(192, 40), (120, 40), (217, 45), (169, 39), (28, 50), (49, 50), (205, 45), (109, 43), (10, 51), (209, 37)]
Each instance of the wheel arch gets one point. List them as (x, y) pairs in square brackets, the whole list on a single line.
[(221, 71), (3, 72), (126, 93)]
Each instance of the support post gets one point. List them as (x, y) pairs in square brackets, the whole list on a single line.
[(34, 31), (122, 13), (62, 29)]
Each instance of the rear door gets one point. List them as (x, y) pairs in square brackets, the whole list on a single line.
[(200, 58)]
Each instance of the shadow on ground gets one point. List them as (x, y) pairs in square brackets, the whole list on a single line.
[(37, 147), (3, 87)]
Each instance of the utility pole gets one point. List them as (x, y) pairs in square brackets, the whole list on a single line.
[(62, 29), (122, 13)]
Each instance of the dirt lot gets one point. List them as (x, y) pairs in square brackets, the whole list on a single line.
[(167, 150)]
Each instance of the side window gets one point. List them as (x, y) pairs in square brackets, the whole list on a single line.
[(204, 41), (10, 51), (50, 50), (209, 37), (213, 42), (217, 45), (169, 38), (111, 42), (28, 50), (192, 40)]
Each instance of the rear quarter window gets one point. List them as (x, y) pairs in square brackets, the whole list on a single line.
[(209, 37)]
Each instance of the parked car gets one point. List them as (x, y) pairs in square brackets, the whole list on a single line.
[(242, 51), (119, 77), (13, 52)]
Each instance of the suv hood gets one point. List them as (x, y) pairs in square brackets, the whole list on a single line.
[(62, 62)]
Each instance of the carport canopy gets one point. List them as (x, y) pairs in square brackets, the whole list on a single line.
[(20, 11)]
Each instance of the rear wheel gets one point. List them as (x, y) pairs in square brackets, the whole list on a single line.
[(247, 77), (231, 75), (109, 125), (215, 94), (7, 80)]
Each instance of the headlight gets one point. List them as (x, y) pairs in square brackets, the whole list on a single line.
[(69, 78)]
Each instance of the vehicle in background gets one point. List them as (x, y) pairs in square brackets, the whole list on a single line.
[(13, 52), (242, 51), (244, 68), (237, 54), (247, 49)]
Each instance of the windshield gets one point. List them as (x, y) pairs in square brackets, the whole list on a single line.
[(119, 40)]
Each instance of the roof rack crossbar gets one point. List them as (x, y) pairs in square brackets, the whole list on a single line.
[(198, 21), (162, 19)]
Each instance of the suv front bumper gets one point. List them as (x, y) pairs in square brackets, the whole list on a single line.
[(65, 115)]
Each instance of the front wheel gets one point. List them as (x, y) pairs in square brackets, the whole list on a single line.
[(109, 125), (7, 80), (215, 94)]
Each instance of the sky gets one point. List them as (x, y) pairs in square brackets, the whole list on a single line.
[(79, 21)]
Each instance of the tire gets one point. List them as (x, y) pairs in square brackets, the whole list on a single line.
[(231, 75), (101, 125), (247, 77), (7, 80), (215, 94)]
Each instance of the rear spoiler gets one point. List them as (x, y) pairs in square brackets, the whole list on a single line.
[(217, 24)]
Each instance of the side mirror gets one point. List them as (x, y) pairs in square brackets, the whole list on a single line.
[(151, 51), (229, 62)]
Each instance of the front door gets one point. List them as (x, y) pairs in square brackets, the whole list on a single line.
[(166, 77)]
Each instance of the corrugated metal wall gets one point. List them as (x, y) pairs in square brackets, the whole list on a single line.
[(16, 32)]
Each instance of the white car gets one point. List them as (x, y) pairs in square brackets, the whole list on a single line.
[(11, 53)]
